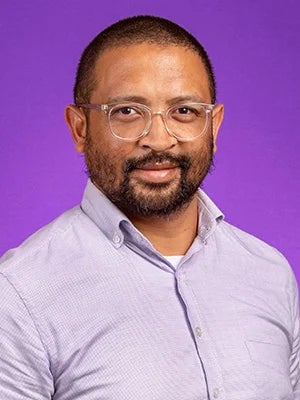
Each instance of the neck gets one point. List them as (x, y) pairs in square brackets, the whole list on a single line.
[(171, 235)]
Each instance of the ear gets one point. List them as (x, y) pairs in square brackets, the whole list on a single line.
[(217, 118), (77, 123)]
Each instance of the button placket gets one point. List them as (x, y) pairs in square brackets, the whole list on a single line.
[(200, 330)]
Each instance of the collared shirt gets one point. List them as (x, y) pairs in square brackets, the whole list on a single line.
[(90, 310)]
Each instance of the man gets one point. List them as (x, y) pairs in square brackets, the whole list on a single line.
[(144, 291)]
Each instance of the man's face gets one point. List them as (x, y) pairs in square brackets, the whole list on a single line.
[(156, 175)]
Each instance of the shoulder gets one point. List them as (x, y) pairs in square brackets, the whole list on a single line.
[(53, 261), (249, 242), (41, 238), (53, 244), (255, 257)]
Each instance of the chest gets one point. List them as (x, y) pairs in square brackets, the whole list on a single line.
[(144, 332)]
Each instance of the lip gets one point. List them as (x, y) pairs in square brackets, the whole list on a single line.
[(157, 166), (156, 172)]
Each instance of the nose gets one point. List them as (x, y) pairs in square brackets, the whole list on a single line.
[(158, 137)]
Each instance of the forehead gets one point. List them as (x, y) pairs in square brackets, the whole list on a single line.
[(151, 70)]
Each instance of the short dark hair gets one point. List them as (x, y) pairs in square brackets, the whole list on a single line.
[(131, 31)]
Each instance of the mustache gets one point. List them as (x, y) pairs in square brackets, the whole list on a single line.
[(182, 161)]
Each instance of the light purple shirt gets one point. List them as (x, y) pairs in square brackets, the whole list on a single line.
[(90, 310)]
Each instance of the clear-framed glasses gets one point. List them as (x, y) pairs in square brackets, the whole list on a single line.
[(132, 121)]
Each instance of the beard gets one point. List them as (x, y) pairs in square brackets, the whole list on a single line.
[(142, 198)]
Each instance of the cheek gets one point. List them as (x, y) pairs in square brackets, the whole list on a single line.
[(109, 146), (109, 156), (202, 153), (118, 154), (199, 148)]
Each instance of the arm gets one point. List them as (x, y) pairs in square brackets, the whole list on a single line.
[(24, 366)]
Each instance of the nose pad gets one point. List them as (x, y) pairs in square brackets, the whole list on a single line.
[(160, 113), (163, 119), (158, 137)]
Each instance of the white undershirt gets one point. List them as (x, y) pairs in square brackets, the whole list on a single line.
[(174, 260)]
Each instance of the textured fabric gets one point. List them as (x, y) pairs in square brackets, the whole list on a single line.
[(89, 310)]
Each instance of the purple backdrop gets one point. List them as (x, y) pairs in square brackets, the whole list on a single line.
[(255, 48)]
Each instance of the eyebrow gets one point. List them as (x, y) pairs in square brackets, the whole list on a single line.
[(144, 100), (125, 99), (186, 98)]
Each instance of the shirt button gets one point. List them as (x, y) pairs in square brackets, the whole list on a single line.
[(116, 238), (216, 393), (202, 229), (198, 331)]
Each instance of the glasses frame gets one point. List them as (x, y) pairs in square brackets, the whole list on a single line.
[(107, 109)]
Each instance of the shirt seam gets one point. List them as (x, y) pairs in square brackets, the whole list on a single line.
[(31, 318), (49, 238)]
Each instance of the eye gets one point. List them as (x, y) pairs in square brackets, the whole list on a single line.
[(124, 110), (126, 113), (185, 113), (184, 110)]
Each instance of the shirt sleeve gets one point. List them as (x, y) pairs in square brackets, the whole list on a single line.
[(295, 355), (24, 367)]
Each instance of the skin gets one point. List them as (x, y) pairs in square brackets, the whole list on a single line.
[(155, 76)]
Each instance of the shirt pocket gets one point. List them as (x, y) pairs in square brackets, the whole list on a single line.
[(271, 368)]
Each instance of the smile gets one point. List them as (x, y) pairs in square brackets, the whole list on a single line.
[(157, 172)]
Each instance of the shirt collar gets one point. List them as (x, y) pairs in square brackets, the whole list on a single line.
[(209, 215), (108, 217), (103, 213)]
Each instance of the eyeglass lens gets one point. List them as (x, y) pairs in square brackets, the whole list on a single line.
[(183, 121)]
